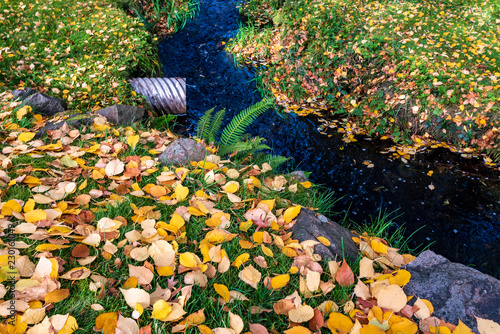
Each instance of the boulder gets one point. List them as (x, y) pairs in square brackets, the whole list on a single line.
[(43, 104), (310, 225), (23, 94), (181, 151), (299, 175), (456, 291), (75, 120), (122, 114)]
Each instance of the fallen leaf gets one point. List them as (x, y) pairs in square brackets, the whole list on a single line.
[(223, 291), (486, 326), (280, 281), (301, 314), (339, 323), (344, 275)]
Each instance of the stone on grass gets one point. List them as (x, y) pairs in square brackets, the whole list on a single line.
[(181, 151), (122, 114), (43, 104), (23, 93), (299, 175), (456, 291), (75, 121), (311, 225)]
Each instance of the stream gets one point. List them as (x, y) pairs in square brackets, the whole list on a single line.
[(460, 217)]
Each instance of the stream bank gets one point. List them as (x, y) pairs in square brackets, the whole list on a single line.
[(459, 215)]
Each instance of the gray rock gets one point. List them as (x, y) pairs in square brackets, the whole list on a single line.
[(75, 120), (122, 114), (310, 225), (456, 291), (299, 175), (44, 104), (23, 94), (181, 151)]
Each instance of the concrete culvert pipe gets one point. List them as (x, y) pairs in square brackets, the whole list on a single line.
[(164, 95)]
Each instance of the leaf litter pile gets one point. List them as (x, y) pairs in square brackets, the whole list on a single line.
[(98, 235)]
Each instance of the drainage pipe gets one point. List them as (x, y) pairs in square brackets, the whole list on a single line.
[(164, 95)]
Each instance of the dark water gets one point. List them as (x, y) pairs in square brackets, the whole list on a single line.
[(460, 215)]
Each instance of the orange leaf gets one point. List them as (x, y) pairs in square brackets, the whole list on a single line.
[(106, 322), (344, 276), (56, 296)]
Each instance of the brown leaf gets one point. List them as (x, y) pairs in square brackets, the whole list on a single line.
[(317, 321), (344, 276), (258, 329), (283, 306), (80, 251)]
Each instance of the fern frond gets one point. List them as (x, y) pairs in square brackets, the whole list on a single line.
[(203, 128), (240, 146), (275, 160), (233, 131), (216, 125)]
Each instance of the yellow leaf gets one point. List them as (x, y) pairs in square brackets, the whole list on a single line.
[(258, 237), (280, 281), (83, 185), (35, 216), (401, 278), (241, 259), (69, 327), (56, 296), (106, 322), (267, 251), (205, 330), (133, 140), (30, 205), (9, 206), (165, 271), (324, 241), (217, 236), (161, 310), (180, 192), (339, 323), (23, 111), (291, 213), (306, 184), (26, 136), (462, 329), (378, 246), (245, 225), (49, 247), (293, 270), (187, 260), (297, 330), (130, 283), (223, 291), (403, 326), (231, 187), (371, 329), (177, 220)]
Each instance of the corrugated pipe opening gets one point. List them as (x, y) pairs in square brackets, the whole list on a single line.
[(164, 95)]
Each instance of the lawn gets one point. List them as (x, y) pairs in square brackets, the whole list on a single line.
[(414, 71)]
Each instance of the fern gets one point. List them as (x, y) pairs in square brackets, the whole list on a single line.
[(275, 160), (216, 125), (244, 146), (203, 128), (235, 129)]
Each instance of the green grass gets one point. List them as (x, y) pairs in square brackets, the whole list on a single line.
[(161, 17), (406, 69), (83, 54)]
